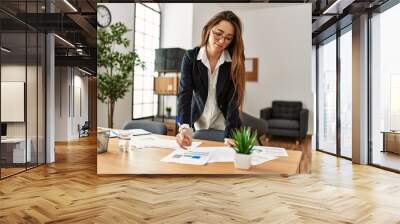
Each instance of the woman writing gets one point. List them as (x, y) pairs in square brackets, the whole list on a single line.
[(212, 81)]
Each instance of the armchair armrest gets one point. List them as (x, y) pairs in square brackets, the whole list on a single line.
[(266, 113), (303, 123)]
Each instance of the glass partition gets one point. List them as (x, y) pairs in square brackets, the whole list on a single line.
[(22, 76), (13, 95)]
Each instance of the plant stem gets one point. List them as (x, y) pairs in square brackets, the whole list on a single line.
[(111, 107)]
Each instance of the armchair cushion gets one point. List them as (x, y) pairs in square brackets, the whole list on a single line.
[(286, 109), (266, 113), (283, 124)]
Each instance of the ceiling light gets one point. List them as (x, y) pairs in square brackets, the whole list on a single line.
[(5, 50), (64, 40), (84, 71), (338, 6), (329, 9), (70, 5)]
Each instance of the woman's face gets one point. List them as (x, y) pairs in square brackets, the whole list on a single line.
[(221, 35)]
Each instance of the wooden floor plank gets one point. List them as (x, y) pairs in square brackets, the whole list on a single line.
[(70, 191)]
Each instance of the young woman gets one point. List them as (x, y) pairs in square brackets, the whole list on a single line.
[(212, 81)]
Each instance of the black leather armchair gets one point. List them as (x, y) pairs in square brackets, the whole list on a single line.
[(286, 118)]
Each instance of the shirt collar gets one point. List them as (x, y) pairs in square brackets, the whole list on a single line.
[(225, 57)]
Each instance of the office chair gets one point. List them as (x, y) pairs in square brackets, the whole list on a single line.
[(84, 130), (150, 126)]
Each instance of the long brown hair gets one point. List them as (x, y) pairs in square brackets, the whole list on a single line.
[(235, 48)]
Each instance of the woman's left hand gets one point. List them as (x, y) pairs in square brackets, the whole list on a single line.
[(229, 142)]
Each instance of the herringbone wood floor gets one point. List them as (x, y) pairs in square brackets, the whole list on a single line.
[(69, 191)]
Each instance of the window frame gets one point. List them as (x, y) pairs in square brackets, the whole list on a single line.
[(334, 37)]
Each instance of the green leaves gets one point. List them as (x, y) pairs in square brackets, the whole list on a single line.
[(112, 88), (244, 140), (115, 67)]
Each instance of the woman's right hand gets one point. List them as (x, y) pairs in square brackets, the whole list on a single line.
[(184, 138)]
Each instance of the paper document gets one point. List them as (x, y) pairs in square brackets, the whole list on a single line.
[(219, 154), (136, 132), (227, 154), (187, 157), (265, 151), (114, 133), (154, 142), (256, 160)]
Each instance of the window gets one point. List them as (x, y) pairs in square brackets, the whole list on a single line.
[(147, 39), (385, 85), (327, 96), (394, 101), (346, 94), (335, 94)]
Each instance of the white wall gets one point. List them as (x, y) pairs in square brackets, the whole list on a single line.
[(176, 31), (69, 81), (61, 103), (176, 25), (120, 12)]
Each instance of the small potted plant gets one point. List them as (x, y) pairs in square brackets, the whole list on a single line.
[(244, 141), (168, 109)]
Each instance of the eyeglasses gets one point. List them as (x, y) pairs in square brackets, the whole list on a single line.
[(219, 36)]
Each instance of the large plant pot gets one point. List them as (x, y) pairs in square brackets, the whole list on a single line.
[(242, 161)]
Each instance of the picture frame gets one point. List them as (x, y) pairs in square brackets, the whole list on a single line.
[(251, 69)]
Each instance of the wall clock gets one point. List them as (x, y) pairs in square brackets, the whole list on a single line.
[(103, 16)]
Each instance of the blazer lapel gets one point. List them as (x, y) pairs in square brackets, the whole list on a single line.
[(203, 71), (222, 77)]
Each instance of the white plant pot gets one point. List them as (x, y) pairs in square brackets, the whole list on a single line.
[(242, 161)]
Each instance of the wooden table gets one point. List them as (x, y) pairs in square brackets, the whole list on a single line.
[(147, 161)]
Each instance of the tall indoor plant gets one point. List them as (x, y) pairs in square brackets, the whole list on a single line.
[(115, 68)]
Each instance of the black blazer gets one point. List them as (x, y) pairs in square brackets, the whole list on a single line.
[(193, 91)]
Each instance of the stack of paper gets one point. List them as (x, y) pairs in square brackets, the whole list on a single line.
[(187, 157), (130, 132)]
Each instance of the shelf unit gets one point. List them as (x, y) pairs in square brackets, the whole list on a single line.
[(167, 86), (167, 61)]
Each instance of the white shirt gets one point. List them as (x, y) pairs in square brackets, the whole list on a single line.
[(212, 116)]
